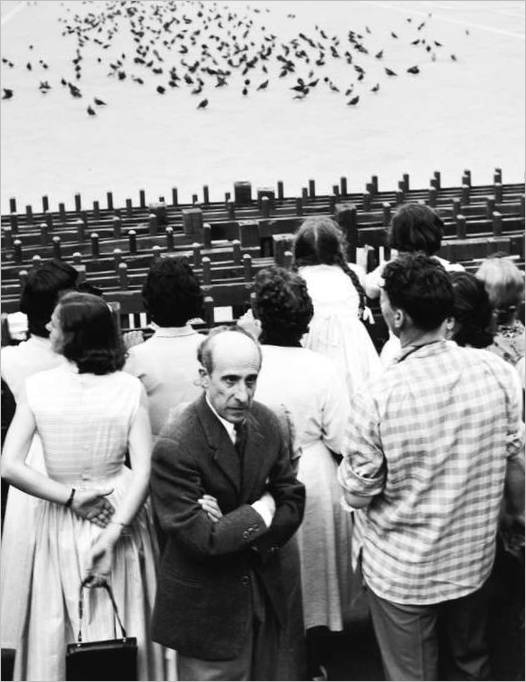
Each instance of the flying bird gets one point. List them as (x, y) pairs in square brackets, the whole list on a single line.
[(394, 35), (413, 69), (202, 104), (453, 58), (262, 86), (99, 102), (7, 93), (160, 89), (389, 72), (354, 100), (379, 55), (91, 111), (375, 88)]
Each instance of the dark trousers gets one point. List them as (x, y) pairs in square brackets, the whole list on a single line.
[(438, 641), (258, 659)]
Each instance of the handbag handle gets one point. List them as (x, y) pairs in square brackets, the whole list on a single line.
[(108, 589)]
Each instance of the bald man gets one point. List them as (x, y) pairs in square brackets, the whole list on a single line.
[(226, 496)]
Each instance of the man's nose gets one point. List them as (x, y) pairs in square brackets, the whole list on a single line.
[(241, 393)]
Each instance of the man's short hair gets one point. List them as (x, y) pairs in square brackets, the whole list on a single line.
[(172, 294), (205, 349), (41, 293), (415, 227), (420, 286)]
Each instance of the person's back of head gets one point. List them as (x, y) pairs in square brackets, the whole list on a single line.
[(41, 293), (471, 311), (415, 227), (172, 294), (283, 306), (504, 283), (85, 332), (320, 241), (421, 287)]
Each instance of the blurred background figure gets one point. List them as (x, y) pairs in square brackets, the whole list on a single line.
[(336, 329), (167, 363), (504, 283), (309, 386), (90, 519), (472, 313)]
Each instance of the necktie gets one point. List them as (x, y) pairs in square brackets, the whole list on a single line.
[(240, 429), (239, 445)]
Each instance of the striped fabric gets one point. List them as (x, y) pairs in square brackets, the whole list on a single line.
[(430, 439)]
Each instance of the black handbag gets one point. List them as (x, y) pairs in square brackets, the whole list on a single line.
[(108, 659)]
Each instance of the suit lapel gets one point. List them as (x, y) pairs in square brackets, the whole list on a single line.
[(222, 450)]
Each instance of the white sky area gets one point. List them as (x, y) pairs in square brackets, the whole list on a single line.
[(451, 116)]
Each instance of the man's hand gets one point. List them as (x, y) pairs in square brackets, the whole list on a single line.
[(210, 506), (265, 507), (93, 506)]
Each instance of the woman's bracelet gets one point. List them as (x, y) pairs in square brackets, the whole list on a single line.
[(69, 501)]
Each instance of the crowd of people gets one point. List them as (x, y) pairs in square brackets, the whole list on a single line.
[(240, 490)]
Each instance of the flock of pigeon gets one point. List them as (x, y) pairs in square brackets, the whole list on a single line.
[(202, 46)]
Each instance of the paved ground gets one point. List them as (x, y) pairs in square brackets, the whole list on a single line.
[(453, 115)]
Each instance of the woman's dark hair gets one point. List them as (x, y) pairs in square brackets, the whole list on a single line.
[(283, 306), (420, 286), (172, 294), (320, 240), (91, 338), (415, 227), (472, 311), (41, 293)]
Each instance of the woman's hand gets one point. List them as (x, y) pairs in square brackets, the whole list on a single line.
[(133, 338), (93, 506), (210, 506), (100, 560)]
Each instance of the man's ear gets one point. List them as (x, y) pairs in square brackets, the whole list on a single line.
[(399, 318), (204, 379)]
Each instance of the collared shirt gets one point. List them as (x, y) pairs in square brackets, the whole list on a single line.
[(261, 505), (430, 441), (167, 366), (230, 428), (171, 332), (25, 359)]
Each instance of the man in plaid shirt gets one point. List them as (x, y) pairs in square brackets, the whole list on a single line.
[(431, 447)]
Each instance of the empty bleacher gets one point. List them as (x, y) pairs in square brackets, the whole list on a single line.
[(228, 242)]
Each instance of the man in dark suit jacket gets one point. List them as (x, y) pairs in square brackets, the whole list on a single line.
[(226, 496)]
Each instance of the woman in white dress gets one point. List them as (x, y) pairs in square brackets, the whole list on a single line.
[(309, 386), (414, 228), (336, 329), (91, 521), (37, 301)]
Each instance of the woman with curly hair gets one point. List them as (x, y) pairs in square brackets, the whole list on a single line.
[(309, 386), (91, 521), (339, 301)]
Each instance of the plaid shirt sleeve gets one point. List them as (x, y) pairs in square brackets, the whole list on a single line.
[(362, 471)]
